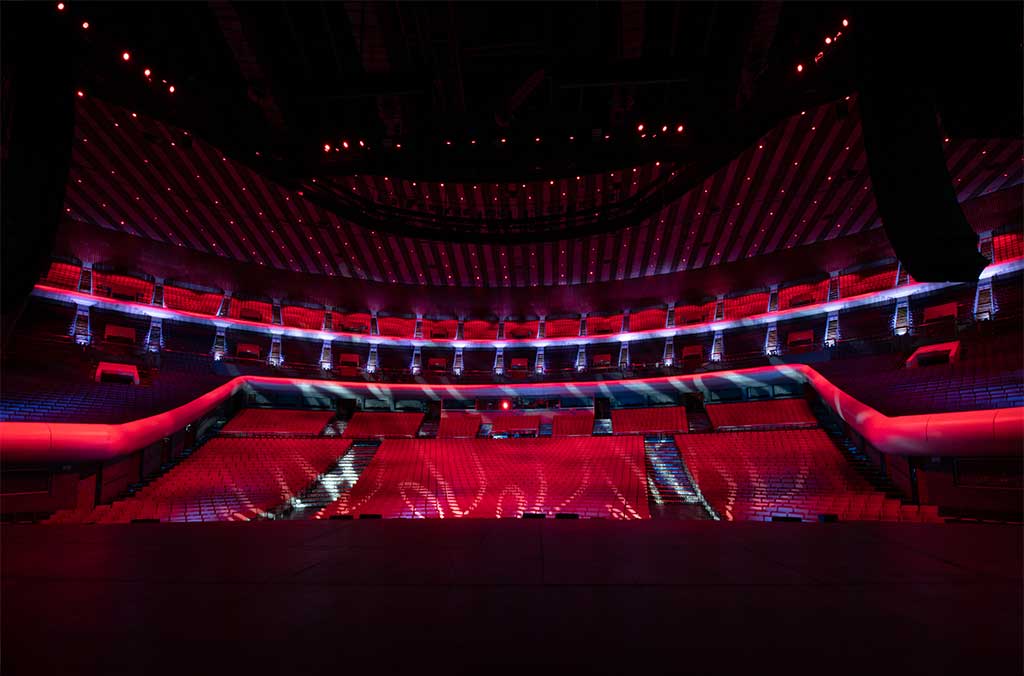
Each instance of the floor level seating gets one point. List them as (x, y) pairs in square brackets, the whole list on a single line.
[(226, 479), (283, 421), (649, 420), (366, 424), (501, 478), (755, 476), (761, 414)]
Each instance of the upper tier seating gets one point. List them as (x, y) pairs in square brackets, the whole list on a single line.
[(351, 322), (283, 421), (302, 317), (647, 320), (870, 280), (746, 306), (1008, 246), (518, 330), (799, 295), (478, 329), (122, 287), (753, 476), (488, 478), (199, 302), (598, 325), (454, 425), (250, 310), (696, 314), (440, 329), (397, 327), (384, 424), (226, 479), (574, 424), (761, 414), (561, 328), (62, 276), (988, 375), (649, 420)]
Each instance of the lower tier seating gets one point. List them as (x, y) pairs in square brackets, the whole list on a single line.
[(574, 424), (494, 478), (649, 420), (226, 479), (263, 420), (761, 414), (754, 476), (365, 424), (455, 425)]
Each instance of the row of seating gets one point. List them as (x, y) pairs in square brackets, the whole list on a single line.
[(284, 421), (501, 478), (225, 479), (649, 420), (774, 412), (366, 424), (65, 275), (760, 475)]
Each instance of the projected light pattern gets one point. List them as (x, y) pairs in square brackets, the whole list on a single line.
[(488, 478)]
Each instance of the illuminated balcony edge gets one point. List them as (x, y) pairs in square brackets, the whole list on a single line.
[(144, 310)]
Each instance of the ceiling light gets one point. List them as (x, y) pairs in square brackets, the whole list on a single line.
[(60, 6), (125, 56), (799, 67), (846, 23), (664, 127), (327, 147), (85, 25), (828, 41), (361, 144), (80, 93), (344, 144), (640, 127), (171, 89), (147, 72), (679, 129)]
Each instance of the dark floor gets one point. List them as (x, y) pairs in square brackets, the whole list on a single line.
[(443, 597)]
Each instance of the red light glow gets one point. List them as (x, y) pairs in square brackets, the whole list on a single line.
[(344, 144), (60, 6), (171, 89), (640, 127), (799, 67), (327, 147), (80, 93), (828, 41), (679, 129), (147, 72), (125, 56), (846, 23), (505, 405), (85, 25)]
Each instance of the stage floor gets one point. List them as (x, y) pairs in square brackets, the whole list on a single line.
[(505, 596)]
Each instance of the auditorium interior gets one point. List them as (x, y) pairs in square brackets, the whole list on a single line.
[(494, 337)]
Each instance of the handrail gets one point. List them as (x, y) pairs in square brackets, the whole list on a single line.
[(962, 433)]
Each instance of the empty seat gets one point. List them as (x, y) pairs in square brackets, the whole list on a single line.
[(265, 420), (761, 413), (384, 424), (649, 420)]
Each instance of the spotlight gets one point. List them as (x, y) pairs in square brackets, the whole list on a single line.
[(828, 41), (504, 140), (679, 129), (846, 23), (60, 6), (361, 144), (640, 127), (344, 144), (505, 405), (664, 127), (171, 89), (147, 72), (80, 93), (85, 25), (799, 67), (125, 56), (327, 147), (537, 140)]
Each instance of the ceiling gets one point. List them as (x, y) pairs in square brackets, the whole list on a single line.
[(499, 144)]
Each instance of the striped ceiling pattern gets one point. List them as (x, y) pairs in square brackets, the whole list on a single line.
[(804, 182)]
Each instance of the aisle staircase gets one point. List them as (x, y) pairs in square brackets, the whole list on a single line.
[(671, 491), (332, 484)]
